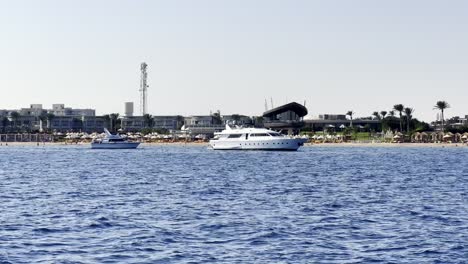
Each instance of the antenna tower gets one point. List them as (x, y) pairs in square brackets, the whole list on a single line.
[(143, 89)]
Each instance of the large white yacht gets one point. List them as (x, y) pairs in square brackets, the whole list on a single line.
[(113, 142), (254, 139)]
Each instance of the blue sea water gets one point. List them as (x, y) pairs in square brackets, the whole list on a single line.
[(189, 204)]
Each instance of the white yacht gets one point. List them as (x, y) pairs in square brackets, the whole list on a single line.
[(254, 139), (113, 142)]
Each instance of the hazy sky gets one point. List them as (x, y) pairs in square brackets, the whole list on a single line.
[(231, 55)]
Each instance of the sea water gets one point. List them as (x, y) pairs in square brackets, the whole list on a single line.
[(186, 204)]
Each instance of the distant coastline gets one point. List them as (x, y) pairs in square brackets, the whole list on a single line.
[(205, 144)]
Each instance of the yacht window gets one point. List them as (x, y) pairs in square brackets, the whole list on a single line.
[(234, 135), (260, 135), (275, 134), (116, 139)]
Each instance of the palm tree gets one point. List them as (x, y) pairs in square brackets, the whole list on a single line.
[(14, 117), (148, 120), (107, 120), (409, 114), (377, 115), (42, 118), (350, 114), (383, 114), (180, 122), (391, 113), (113, 118), (217, 117), (399, 108), (49, 118), (4, 122), (442, 105), (259, 121), (235, 118)]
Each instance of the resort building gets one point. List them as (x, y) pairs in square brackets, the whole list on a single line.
[(206, 125), (137, 123), (455, 122), (168, 122), (133, 123), (91, 124), (338, 122), (240, 120), (287, 118), (61, 110), (33, 110), (59, 119)]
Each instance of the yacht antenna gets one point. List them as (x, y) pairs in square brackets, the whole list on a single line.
[(271, 98), (266, 105)]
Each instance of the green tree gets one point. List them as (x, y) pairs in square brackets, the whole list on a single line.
[(409, 115), (400, 108), (442, 105)]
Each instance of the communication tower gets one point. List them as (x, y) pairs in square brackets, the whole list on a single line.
[(143, 89)]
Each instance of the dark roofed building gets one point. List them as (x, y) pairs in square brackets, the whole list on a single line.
[(287, 117)]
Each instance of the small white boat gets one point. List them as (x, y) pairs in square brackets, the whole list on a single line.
[(113, 142), (254, 139)]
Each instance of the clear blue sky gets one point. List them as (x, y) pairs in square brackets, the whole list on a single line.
[(231, 55)]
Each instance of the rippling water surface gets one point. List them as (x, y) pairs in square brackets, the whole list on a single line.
[(176, 204)]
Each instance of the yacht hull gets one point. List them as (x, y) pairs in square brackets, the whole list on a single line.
[(291, 144), (126, 145)]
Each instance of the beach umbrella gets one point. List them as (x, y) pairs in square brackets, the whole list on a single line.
[(342, 126)]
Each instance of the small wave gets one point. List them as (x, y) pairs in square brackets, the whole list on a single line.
[(100, 225), (48, 230)]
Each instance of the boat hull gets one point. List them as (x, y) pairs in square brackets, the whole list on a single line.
[(127, 145), (291, 144)]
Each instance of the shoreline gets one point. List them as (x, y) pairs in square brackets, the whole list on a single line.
[(205, 144)]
